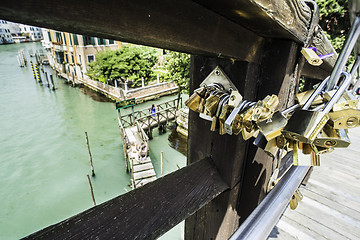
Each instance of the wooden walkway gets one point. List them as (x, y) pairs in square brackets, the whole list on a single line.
[(330, 208)]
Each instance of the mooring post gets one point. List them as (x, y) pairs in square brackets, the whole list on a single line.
[(73, 79), (37, 73), (52, 82), (91, 189), (33, 69), (161, 161), (47, 79), (91, 163)]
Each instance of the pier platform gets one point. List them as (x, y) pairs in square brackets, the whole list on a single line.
[(330, 208)]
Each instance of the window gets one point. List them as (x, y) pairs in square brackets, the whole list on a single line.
[(101, 41), (111, 41), (80, 59), (59, 57), (66, 58), (72, 59), (90, 58), (49, 36), (88, 40), (25, 29), (58, 37), (75, 39), (70, 42)]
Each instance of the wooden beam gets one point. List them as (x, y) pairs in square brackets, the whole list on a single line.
[(241, 164), (183, 26), (146, 212), (280, 20)]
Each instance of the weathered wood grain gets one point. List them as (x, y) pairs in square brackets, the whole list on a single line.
[(146, 212), (183, 26), (230, 29)]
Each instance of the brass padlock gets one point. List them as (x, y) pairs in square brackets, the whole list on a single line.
[(272, 127), (223, 100), (265, 108), (211, 104), (300, 156), (305, 125), (194, 101), (345, 119), (302, 97), (346, 101), (332, 138), (311, 56), (225, 112)]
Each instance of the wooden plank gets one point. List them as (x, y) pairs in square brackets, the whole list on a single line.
[(144, 174), (133, 216), (183, 26), (278, 19), (142, 182), (280, 234), (142, 167)]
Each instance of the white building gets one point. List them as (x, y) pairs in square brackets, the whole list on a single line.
[(5, 32), (32, 33)]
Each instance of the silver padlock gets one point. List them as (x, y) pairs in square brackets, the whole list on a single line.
[(305, 125)]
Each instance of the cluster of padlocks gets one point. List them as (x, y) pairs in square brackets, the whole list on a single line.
[(317, 124)]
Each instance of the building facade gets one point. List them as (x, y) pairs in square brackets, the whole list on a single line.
[(71, 53), (31, 33), (5, 32)]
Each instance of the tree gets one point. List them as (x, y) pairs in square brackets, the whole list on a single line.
[(178, 66), (128, 63), (334, 20)]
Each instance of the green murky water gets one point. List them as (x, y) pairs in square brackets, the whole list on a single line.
[(43, 153)]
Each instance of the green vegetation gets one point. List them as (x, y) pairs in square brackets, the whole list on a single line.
[(128, 63), (334, 20), (178, 67)]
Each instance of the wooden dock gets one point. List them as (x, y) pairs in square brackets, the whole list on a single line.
[(330, 208), (136, 153)]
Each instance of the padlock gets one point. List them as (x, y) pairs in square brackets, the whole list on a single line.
[(233, 115), (302, 159), (223, 100), (225, 112), (305, 125), (302, 97), (265, 108), (293, 202), (272, 127), (345, 119), (212, 103), (311, 56), (332, 138), (271, 148), (346, 101), (194, 101)]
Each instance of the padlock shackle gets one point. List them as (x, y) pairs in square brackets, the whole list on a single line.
[(338, 92), (317, 91), (351, 39)]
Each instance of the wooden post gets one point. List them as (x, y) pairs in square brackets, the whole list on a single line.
[(73, 79), (91, 163), (91, 189), (47, 79), (52, 82), (161, 161), (244, 167)]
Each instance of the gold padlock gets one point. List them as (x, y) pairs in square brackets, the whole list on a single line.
[(345, 119), (272, 127), (346, 101), (302, 97), (211, 105), (332, 138), (265, 108), (293, 202), (193, 102), (305, 125), (311, 56), (301, 159)]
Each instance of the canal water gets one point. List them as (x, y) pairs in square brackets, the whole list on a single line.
[(43, 154)]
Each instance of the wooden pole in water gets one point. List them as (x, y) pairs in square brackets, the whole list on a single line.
[(91, 163), (91, 189), (161, 161), (47, 79), (52, 82)]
